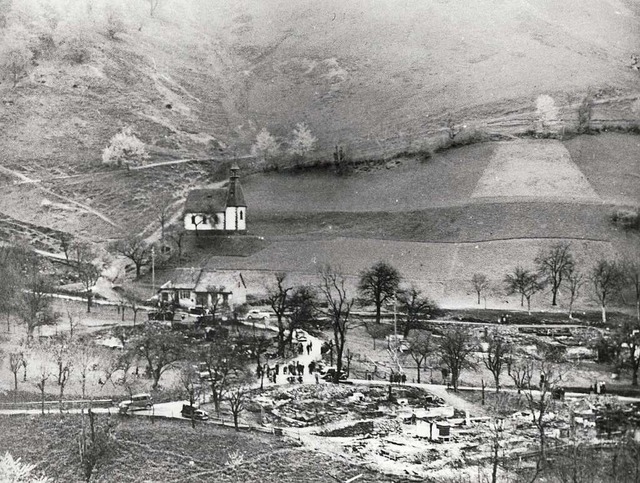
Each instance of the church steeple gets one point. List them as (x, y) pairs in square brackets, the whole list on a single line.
[(235, 196)]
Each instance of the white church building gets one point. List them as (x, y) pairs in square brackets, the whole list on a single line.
[(210, 210)]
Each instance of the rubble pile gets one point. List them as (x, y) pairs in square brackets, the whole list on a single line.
[(322, 404)]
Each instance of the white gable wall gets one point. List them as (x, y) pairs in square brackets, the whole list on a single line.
[(242, 218), (230, 218)]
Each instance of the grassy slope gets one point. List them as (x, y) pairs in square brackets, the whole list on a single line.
[(317, 217), (170, 451), (373, 78)]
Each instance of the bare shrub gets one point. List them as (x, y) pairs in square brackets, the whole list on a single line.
[(15, 60), (114, 24), (75, 50), (627, 218)]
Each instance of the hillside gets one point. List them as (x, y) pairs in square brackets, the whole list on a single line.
[(201, 79), (163, 450)]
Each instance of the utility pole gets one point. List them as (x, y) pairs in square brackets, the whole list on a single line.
[(395, 333), (153, 271)]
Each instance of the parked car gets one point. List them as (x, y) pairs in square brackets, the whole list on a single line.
[(329, 372), (137, 401), (191, 412), (255, 314), (300, 336)]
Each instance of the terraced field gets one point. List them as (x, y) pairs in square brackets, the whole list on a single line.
[(484, 208)]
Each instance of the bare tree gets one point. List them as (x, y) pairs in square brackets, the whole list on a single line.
[(539, 395), (66, 241), (456, 349), (84, 359), (553, 265), (302, 306), (585, 112), (160, 347), (575, 281), (452, 128), (163, 214), (606, 278), (332, 289), (517, 368), (136, 249), (420, 347), (480, 284), (496, 357), (631, 271), (278, 298), (15, 363), (41, 383), (153, 6), (257, 346), (59, 347), (224, 358), (215, 291), (176, 234), (12, 282), (191, 386), (88, 268), (415, 309), (627, 338), (133, 298), (35, 308), (378, 284), (378, 331), (237, 396), (525, 283), (496, 431), (94, 445)]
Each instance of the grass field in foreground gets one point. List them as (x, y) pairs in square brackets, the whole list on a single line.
[(170, 451)]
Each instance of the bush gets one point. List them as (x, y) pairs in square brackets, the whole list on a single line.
[(124, 149), (76, 51), (114, 24), (627, 218)]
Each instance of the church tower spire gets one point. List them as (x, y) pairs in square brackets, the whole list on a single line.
[(235, 196)]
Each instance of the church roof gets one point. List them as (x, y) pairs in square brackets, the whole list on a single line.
[(206, 201)]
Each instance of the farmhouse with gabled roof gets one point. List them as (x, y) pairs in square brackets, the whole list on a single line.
[(197, 287), (221, 209)]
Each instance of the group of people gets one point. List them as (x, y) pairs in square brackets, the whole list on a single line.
[(271, 373), (294, 371), (301, 348), (295, 368), (397, 378)]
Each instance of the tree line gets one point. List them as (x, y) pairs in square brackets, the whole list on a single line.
[(557, 270)]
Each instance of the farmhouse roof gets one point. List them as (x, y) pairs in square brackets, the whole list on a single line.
[(200, 280), (230, 280), (183, 278), (206, 201)]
